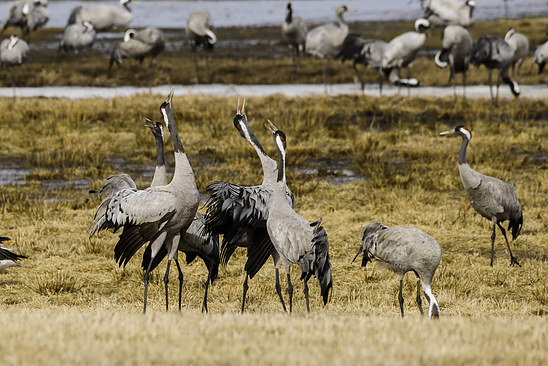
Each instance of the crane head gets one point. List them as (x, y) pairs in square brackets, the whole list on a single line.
[(421, 25), (460, 131), (156, 129), (240, 120), (345, 9), (166, 108), (279, 137)]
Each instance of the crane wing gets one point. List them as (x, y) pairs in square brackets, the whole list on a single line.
[(7, 254)]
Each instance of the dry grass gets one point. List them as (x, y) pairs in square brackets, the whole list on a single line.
[(236, 61), (407, 176)]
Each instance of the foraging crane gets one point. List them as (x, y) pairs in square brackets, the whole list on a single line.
[(402, 249), (449, 12), (7, 257), (199, 33), (296, 240), (490, 197), (495, 53), (541, 55), (13, 52), (326, 40), (457, 44), (294, 30), (158, 215), (520, 45), (148, 42), (240, 213), (367, 52), (401, 52), (103, 17), (78, 37), (28, 15)]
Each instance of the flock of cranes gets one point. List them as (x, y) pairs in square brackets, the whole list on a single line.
[(327, 41), (164, 219)]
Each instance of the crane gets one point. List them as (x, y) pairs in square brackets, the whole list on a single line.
[(103, 17), (540, 56), (157, 214), (449, 12), (7, 257), (296, 240), (13, 52), (28, 15), (294, 30), (490, 197), (199, 32), (402, 249), (520, 45)]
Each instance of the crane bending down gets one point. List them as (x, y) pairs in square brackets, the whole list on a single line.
[(457, 44), (294, 30), (541, 56), (240, 212), (158, 215), (367, 52), (520, 45), (402, 249), (7, 257), (495, 53), (490, 197), (401, 52), (27, 15), (296, 240)]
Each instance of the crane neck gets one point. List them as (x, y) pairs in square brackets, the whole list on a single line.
[(127, 7), (281, 165), (288, 16), (462, 152), (340, 19), (183, 171), (160, 176)]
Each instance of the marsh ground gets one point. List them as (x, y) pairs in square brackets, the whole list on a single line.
[(352, 159), (247, 55)]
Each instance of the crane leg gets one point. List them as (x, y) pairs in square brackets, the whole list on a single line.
[(279, 289), (381, 81), (400, 297), (244, 292), (180, 281), (408, 84), (305, 291), (362, 83), (146, 277), (493, 243), (464, 85), (12, 81), (419, 301), (513, 259), (490, 85), (325, 77), (204, 304), (498, 86), (290, 292), (166, 281), (196, 80)]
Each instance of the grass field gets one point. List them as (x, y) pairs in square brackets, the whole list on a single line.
[(351, 159), (247, 56)]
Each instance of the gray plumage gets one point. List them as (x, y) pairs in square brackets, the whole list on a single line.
[(103, 17), (158, 215), (325, 40), (294, 30), (520, 45), (401, 51), (296, 240), (490, 197), (449, 12), (457, 45), (367, 52), (148, 42), (13, 51), (541, 56), (199, 30), (114, 184), (402, 249), (78, 37), (7, 257), (28, 15), (240, 212), (495, 53)]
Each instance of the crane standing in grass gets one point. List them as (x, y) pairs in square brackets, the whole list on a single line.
[(13, 52), (294, 30), (457, 45), (199, 32), (490, 197), (240, 213), (541, 56), (296, 240), (495, 53), (159, 215), (402, 249), (520, 45), (326, 40)]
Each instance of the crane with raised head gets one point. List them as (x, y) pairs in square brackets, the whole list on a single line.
[(296, 240), (158, 215), (490, 197)]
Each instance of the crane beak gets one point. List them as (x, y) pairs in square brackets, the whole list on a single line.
[(149, 124), (243, 107), (450, 132), (271, 126), (169, 99), (350, 10)]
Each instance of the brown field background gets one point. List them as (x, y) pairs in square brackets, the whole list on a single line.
[(352, 159)]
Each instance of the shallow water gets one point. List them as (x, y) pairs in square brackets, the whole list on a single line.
[(173, 13)]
